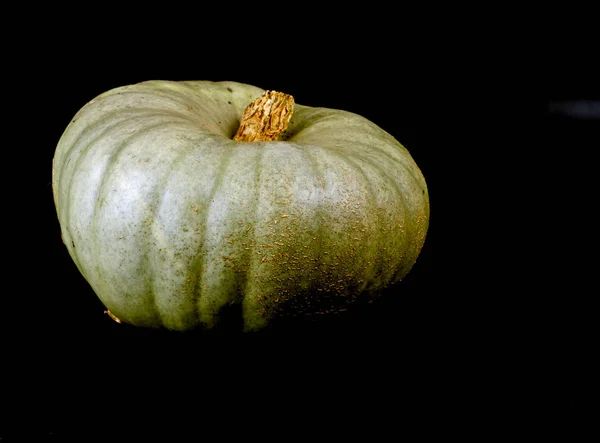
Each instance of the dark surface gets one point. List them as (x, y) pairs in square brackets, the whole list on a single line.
[(61, 348), (447, 349), (567, 328)]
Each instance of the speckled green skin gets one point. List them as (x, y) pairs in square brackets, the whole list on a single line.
[(170, 220)]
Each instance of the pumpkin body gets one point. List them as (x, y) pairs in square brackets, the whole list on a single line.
[(171, 221)]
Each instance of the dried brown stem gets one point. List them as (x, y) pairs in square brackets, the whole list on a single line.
[(266, 118), (113, 316)]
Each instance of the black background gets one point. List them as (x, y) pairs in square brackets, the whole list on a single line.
[(62, 348), (450, 347)]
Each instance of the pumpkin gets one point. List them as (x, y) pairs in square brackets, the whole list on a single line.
[(179, 200)]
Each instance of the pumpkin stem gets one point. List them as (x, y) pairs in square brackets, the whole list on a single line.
[(266, 118)]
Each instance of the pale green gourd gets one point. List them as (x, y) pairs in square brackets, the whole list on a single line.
[(171, 221)]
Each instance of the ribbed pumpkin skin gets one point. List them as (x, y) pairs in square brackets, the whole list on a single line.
[(170, 220)]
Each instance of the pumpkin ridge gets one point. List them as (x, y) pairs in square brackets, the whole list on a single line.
[(198, 96), (109, 115), (252, 239), (412, 176), (270, 273), (375, 165), (320, 186), (66, 155), (172, 96), (146, 252), (370, 274), (145, 89), (407, 222), (311, 120), (197, 263), (64, 207), (311, 117), (408, 168), (305, 117), (89, 145), (106, 176)]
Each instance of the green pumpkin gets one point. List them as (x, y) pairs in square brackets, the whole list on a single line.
[(171, 221)]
